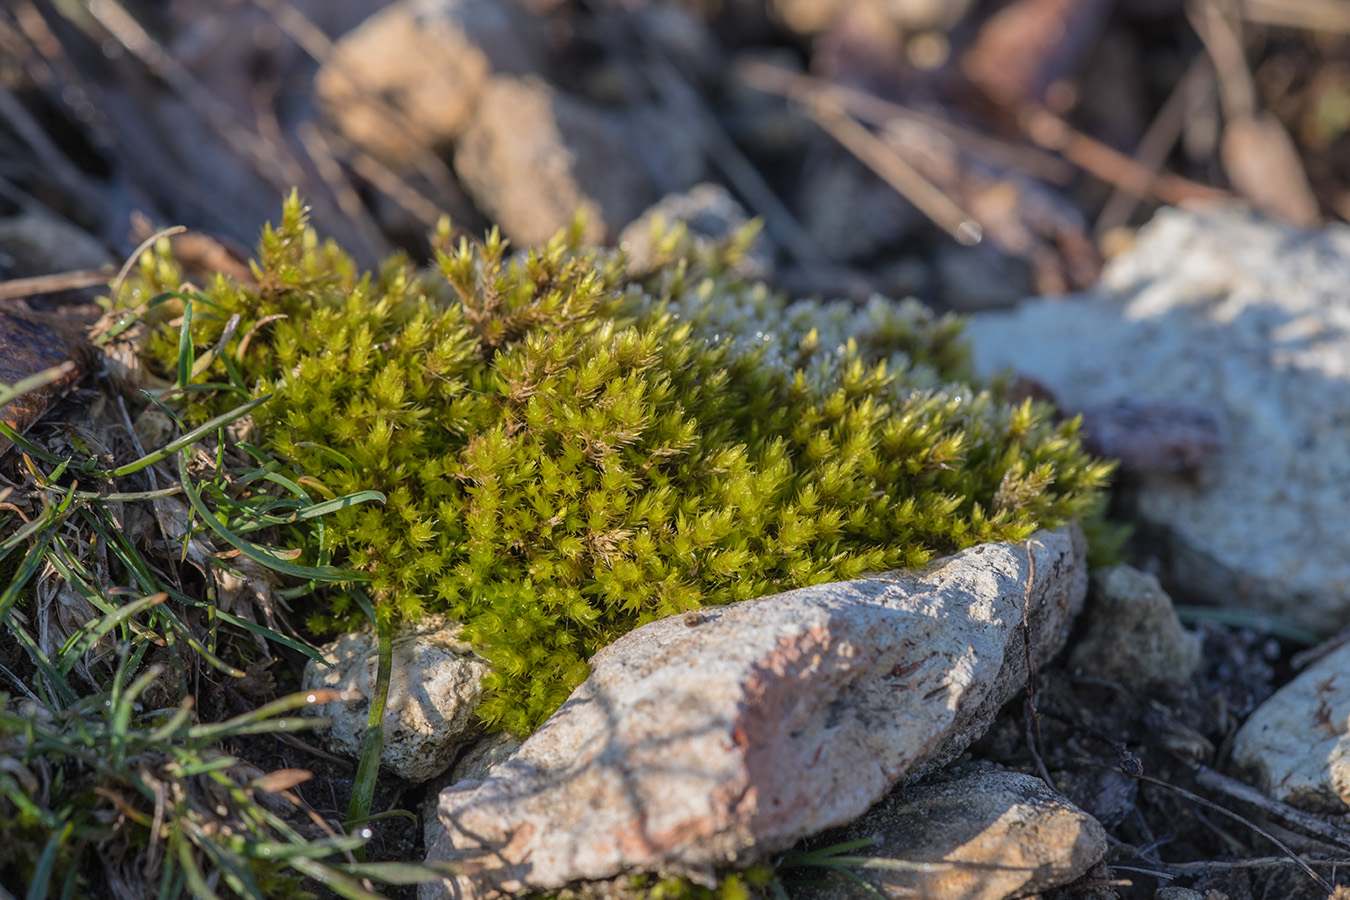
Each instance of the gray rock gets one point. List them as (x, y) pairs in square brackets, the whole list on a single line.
[(982, 833), (1132, 634), (531, 157), (1177, 893), (710, 214), (1224, 310), (475, 762), (719, 737), (1297, 742), (36, 244), (429, 61), (436, 684)]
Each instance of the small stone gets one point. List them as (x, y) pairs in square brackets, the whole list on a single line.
[(1245, 318), (1132, 633), (435, 685), (1181, 893), (710, 214), (977, 833), (693, 748), (531, 157), (1297, 743), (427, 59)]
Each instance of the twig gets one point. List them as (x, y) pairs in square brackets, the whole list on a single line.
[(722, 150), (1314, 15), (274, 163), (1158, 140), (1110, 165), (878, 112), (390, 183), (311, 38), (54, 161), (115, 288), (1218, 29), (1030, 714), (885, 162), (1209, 804), (1259, 862), (51, 284), (326, 164), (1207, 777)]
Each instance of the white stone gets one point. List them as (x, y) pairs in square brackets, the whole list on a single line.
[(1297, 742), (435, 685), (1132, 634), (408, 79), (1220, 309), (984, 832), (719, 737)]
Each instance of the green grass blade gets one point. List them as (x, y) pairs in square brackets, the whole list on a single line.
[(368, 769), (82, 641), (33, 382), (42, 874), (340, 884), (191, 437), (256, 552)]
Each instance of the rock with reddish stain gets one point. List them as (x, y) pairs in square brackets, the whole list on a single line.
[(697, 745)]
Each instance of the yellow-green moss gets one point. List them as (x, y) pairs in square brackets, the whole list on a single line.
[(571, 449)]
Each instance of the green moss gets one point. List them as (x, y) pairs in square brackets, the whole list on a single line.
[(571, 449)]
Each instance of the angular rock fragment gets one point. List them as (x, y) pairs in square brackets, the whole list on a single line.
[(531, 157), (983, 833), (1223, 310), (409, 78), (709, 213), (434, 687), (718, 737), (1297, 742), (1133, 635)]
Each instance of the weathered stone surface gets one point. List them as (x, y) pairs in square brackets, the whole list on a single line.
[(1224, 310), (722, 736), (985, 833), (412, 74), (435, 685), (532, 156), (1132, 633), (710, 214), (1297, 742)]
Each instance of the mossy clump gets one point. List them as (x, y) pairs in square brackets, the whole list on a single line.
[(571, 449)]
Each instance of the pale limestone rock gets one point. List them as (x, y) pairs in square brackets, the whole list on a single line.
[(531, 157), (717, 738), (1297, 742), (986, 833), (436, 684), (408, 79), (1226, 311), (1132, 634)]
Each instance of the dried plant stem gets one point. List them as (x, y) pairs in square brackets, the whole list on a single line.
[(883, 160)]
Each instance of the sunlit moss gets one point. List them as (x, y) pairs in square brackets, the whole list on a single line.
[(571, 449)]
